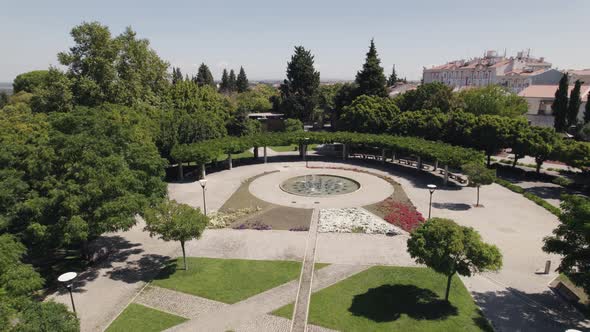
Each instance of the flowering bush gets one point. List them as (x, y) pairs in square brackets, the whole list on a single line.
[(402, 215), (299, 229), (224, 219), (257, 226)]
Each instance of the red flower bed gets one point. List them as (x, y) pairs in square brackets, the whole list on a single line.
[(402, 215)]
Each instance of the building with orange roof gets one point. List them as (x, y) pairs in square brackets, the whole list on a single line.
[(541, 97), (491, 69)]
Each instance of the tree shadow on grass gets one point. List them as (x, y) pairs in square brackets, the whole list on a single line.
[(387, 303)]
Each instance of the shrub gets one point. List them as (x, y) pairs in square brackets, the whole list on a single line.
[(402, 215), (562, 181)]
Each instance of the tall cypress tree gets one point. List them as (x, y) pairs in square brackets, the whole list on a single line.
[(559, 106), (176, 75), (224, 85), (587, 109), (242, 81), (300, 91), (392, 78), (204, 76), (232, 85), (371, 80), (573, 106)]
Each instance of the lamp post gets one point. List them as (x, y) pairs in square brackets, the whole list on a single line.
[(431, 189), (306, 142), (203, 183), (66, 278)]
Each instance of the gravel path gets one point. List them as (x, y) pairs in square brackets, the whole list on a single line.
[(181, 304), (299, 321)]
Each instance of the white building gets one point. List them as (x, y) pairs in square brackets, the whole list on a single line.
[(515, 73), (582, 75), (540, 98)]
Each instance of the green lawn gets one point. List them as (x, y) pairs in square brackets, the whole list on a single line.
[(140, 318), (245, 154), (394, 299), (226, 280), (292, 147)]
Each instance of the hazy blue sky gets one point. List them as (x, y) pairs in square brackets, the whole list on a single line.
[(260, 35)]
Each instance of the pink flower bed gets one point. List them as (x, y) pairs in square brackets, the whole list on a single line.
[(402, 215)]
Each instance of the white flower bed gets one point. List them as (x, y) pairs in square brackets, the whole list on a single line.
[(356, 220)]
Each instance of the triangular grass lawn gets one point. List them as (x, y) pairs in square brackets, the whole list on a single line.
[(388, 298), (137, 317), (226, 280)]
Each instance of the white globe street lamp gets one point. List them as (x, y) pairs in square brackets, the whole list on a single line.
[(66, 279), (431, 189), (203, 183)]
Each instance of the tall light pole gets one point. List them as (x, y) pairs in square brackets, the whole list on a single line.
[(432, 189), (66, 279), (203, 183)]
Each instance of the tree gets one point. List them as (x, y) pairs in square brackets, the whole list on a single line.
[(231, 82), (427, 97), (368, 114), (29, 82), (490, 134), (573, 106), (173, 221), (176, 75), (571, 240), (518, 139), (479, 175), (587, 109), (493, 100), (293, 125), (448, 248), (560, 105), (242, 81), (55, 94), (371, 80), (542, 144), (4, 99), (46, 317), (224, 85), (123, 70), (392, 78), (204, 76), (299, 92)]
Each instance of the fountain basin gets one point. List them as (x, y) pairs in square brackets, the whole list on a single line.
[(319, 185)]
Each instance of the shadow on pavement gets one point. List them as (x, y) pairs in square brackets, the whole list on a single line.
[(386, 303), (452, 206), (143, 269), (514, 310)]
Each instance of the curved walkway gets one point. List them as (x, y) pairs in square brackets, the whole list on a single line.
[(514, 299)]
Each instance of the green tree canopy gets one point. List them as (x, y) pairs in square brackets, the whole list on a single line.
[(122, 70), (427, 97), (299, 92), (242, 81), (571, 239), (492, 100), (479, 175), (204, 76), (587, 109), (30, 81), (231, 81), (573, 107), (371, 80), (173, 221), (448, 248), (560, 104), (368, 114), (392, 78), (224, 85), (176, 75)]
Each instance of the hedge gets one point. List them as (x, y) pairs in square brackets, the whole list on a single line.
[(207, 151)]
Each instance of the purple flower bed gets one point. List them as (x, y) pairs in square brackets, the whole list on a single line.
[(257, 226), (299, 229)]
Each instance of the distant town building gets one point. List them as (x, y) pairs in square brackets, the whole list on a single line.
[(582, 75), (400, 88), (515, 73), (540, 98)]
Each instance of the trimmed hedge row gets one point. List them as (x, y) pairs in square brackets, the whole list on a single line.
[(207, 151)]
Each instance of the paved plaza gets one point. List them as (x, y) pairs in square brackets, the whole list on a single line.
[(515, 298)]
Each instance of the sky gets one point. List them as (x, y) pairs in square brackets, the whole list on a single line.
[(260, 35)]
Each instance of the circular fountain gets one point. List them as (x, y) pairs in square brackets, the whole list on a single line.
[(317, 185)]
